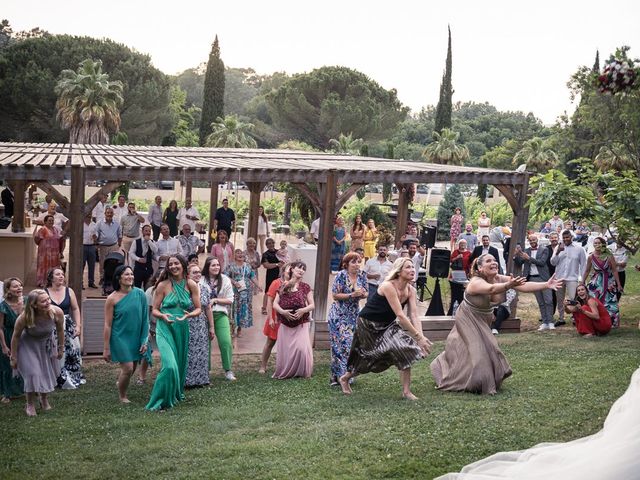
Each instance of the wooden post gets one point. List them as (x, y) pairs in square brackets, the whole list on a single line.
[(255, 188), (17, 222), (188, 189), (213, 206), (403, 211), (76, 217), (518, 233), (323, 260)]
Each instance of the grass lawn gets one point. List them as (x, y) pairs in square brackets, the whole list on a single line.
[(561, 389)]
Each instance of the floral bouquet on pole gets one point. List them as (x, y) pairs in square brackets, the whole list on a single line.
[(620, 74)]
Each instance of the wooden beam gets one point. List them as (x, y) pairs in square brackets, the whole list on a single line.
[(93, 200), (59, 198), (213, 206), (312, 196), (347, 194), (508, 193), (76, 217), (518, 232), (17, 222), (188, 189), (323, 265), (403, 210), (255, 188)]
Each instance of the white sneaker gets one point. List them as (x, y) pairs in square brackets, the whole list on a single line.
[(494, 331), (230, 376), (552, 326), (544, 326)]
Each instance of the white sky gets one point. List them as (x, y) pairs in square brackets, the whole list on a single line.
[(515, 55)]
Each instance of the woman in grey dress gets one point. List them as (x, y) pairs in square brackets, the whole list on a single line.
[(33, 351)]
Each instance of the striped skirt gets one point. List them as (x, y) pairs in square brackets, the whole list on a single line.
[(377, 347)]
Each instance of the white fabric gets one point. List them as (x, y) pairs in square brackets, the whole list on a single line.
[(183, 220), (374, 266), (570, 263), (119, 212), (612, 453), (315, 228), (226, 291), (262, 226), (98, 211), (170, 246), (88, 231)]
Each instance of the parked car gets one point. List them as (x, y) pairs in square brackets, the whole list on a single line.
[(424, 189), (166, 185)]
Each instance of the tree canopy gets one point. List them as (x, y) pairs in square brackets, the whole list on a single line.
[(30, 69), (317, 106)]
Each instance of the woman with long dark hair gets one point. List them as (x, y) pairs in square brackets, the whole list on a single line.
[(221, 302), (71, 375), (11, 307), (472, 360), (170, 217), (589, 314), (175, 300), (605, 282), (293, 303), (33, 351), (126, 327), (263, 227), (357, 233)]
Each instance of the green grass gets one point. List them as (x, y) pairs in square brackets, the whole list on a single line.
[(561, 389)]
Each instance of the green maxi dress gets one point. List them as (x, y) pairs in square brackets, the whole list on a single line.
[(10, 386), (173, 344), (130, 327)]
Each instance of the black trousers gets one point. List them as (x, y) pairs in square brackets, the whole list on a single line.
[(501, 314), (141, 273), (156, 232)]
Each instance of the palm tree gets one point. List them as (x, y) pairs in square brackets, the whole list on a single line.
[(88, 103), (230, 132), (536, 155), (445, 149), (613, 158), (346, 144)]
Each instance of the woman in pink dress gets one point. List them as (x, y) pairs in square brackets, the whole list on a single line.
[(49, 241), (293, 303), (456, 227), (223, 249)]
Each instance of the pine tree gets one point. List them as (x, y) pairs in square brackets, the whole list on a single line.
[(443, 110), (451, 200), (213, 104), (596, 64)]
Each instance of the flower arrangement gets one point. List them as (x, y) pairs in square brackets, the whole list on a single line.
[(619, 75)]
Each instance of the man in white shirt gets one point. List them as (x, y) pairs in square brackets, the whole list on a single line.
[(469, 236), (130, 224), (167, 246), (59, 220), (556, 223), (570, 261), (89, 249), (188, 215), (142, 253), (377, 269), (120, 210), (189, 243), (416, 254), (315, 229), (98, 210), (155, 217)]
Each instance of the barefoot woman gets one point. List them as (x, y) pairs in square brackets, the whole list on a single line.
[(472, 360), (379, 341), (176, 299), (126, 327)]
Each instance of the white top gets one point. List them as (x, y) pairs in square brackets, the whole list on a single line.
[(171, 246), (262, 226), (88, 231), (570, 263), (98, 211), (374, 266), (533, 267), (315, 228), (183, 220), (226, 291), (58, 219), (620, 254), (556, 223), (119, 212), (417, 260)]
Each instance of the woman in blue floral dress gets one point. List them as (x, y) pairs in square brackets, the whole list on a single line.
[(349, 287), (605, 282), (338, 246), (244, 280)]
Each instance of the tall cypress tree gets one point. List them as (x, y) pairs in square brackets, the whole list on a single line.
[(596, 64), (443, 110), (213, 104)]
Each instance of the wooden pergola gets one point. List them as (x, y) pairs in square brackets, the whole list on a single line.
[(23, 164)]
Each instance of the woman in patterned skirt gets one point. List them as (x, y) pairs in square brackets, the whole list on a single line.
[(456, 227), (349, 287), (385, 335), (605, 282), (242, 278), (49, 241), (201, 332), (71, 375)]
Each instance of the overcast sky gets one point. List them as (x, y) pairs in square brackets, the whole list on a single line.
[(514, 56)]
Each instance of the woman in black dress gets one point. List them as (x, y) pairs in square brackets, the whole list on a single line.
[(385, 335), (170, 217)]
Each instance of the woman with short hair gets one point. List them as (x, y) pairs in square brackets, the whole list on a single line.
[(126, 327)]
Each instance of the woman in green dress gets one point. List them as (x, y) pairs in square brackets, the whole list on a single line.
[(176, 299), (126, 327), (10, 308)]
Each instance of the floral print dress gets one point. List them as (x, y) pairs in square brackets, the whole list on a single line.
[(198, 358), (242, 308), (603, 287), (342, 318)]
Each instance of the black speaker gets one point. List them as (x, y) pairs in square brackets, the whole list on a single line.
[(439, 264), (428, 236)]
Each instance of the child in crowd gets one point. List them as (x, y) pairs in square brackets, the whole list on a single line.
[(283, 252)]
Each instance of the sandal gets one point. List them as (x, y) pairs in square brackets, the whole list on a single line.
[(140, 381), (5, 400)]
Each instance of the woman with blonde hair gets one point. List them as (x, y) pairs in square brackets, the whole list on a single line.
[(385, 335), (10, 308), (471, 360), (370, 238), (33, 351)]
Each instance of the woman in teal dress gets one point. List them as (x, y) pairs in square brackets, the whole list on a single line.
[(10, 308), (172, 306), (126, 328)]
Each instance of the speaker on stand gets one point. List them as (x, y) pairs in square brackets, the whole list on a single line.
[(438, 268)]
